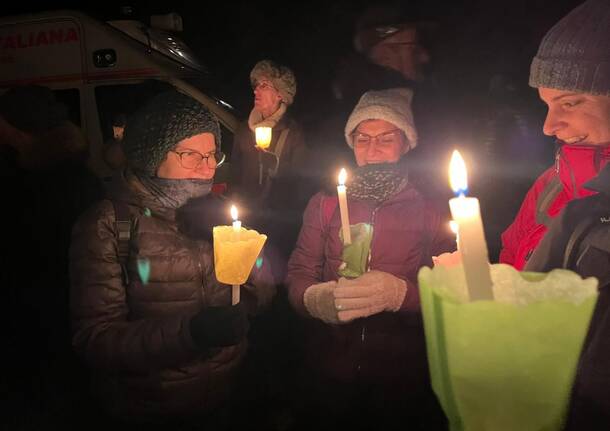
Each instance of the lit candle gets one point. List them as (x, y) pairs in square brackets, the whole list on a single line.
[(471, 240), (263, 137), (341, 191), (236, 231), (236, 223)]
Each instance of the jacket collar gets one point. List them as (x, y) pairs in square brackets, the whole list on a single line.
[(577, 164), (601, 183)]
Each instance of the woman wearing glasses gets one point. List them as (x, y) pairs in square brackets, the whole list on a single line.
[(147, 311), (365, 356)]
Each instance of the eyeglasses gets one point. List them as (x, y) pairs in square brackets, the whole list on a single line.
[(192, 159), (386, 139), (263, 85)]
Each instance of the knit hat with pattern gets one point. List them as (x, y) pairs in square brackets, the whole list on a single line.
[(575, 53), (160, 125)]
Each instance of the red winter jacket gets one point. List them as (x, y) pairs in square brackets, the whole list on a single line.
[(386, 347), (574, 166)]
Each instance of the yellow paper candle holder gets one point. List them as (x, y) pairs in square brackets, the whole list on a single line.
[(235, 253)]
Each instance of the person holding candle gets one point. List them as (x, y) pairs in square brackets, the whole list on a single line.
[(364, 341), (270, 182), (572, 76), (147, 311), (274, 89)]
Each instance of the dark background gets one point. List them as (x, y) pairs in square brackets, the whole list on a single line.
[(481, 52), (475, 38)]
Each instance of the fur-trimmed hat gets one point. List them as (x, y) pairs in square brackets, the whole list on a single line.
[(281, 77), (160, 125), (575, 53), (392, 105)]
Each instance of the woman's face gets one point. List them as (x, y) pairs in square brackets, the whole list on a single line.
[(266, 97), (377, 141), (193, 158), (576, 118)]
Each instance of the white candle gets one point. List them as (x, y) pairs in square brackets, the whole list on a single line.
[(471, 240), (236, 223), (341, 192), (263, 137), (236, 232)]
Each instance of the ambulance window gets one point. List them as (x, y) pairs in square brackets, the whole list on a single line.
[(71, 99)]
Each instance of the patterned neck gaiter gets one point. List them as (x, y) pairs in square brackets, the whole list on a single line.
[(173, 193), (378, 182)]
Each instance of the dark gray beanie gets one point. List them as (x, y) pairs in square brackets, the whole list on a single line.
[(575, 53), (160, 125)]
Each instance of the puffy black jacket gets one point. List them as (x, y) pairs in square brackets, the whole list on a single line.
[(137, 337)]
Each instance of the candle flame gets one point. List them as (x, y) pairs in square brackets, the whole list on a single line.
[(458, 178), (263, 136), (342, 177), (453, 226), (234, 212)]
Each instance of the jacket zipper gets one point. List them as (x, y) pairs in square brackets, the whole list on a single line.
[(198, 255)]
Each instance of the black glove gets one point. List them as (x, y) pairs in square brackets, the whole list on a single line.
[(219, 326)]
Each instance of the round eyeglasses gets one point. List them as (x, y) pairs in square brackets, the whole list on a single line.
[(192, 159), (362, 140)]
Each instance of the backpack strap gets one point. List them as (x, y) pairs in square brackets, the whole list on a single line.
[(123, 234), (545, 199), (279, 149), (588, 241)]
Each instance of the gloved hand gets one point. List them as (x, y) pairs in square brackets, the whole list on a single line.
[(320, 302), (371, 293), (219, 326)]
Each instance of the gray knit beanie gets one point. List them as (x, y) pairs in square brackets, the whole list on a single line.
[(392, 105), (575, 53), (281, 77), (160, 125)]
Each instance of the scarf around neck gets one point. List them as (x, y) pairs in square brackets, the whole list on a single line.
[(173, 193), (378, 182), (256, 118)]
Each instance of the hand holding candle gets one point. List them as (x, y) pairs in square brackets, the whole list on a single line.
[(342, 193), (471, 240)]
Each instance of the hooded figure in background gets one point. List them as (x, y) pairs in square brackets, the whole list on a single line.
[(159, 330), (364, 347), (572, 74)]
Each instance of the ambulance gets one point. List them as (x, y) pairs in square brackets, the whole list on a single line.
[(101, 70)]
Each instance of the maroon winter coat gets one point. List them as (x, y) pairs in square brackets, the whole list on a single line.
[(387, 346)]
